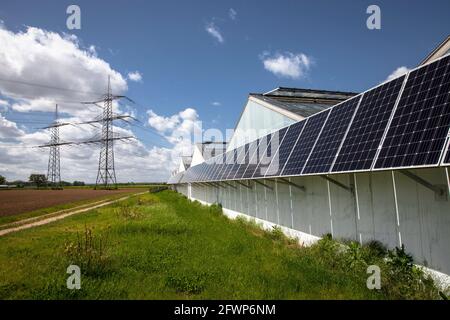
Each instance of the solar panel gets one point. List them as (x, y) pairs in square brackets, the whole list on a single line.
[(447, 157), (212, 168), (322, 156), (217, 167), (240, 153), (204, 175), (419, 127), (446, 160), (249, 154), (230, 157), (270, 154), (305, 143), (367, 128), (263, 142), (288, 143)]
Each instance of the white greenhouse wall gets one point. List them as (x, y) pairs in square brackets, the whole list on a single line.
[(256, 121)]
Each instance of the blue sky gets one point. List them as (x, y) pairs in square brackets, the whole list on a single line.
[(182, 65)]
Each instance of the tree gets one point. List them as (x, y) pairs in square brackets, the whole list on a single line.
[(2, 180), (78, 183), (38, 179)]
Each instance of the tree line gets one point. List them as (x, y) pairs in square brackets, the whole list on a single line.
[(38, 180)]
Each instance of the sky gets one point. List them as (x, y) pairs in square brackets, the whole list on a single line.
[(187, 65)]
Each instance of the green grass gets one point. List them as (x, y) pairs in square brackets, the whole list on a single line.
[(162, 246)]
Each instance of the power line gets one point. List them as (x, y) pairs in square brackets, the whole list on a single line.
[(47, 86)]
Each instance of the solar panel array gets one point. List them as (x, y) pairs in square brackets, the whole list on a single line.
[(285, 149), (365, 134), (326, 148), (402, 123), (270, 154), (419, 128), (305, 144)]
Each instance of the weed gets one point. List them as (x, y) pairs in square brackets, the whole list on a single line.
[(89, 252), (129, 212)]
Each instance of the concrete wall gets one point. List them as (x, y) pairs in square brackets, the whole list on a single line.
[(410, 214)]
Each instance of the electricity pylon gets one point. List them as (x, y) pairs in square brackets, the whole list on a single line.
[(54, 163), (106, 175)]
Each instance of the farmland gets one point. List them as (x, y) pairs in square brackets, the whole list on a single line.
[(13, 202)]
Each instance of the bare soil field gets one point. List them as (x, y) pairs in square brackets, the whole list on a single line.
[(14, 202)]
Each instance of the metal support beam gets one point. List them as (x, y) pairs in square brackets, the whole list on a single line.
[(209, 184), (228, 184), (263, 184), (339, 184), (288, 182), (438, 190), (243, 184)]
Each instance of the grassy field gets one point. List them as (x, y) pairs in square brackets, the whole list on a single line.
[(161, 246)]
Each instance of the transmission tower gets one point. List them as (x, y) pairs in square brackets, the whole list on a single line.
[(106, 174), (54, 164)]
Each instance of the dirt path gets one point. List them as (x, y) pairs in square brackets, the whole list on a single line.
[(62, 216)]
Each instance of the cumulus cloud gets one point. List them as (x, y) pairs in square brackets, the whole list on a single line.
[(232, 14), (9, 130), (135, 76), (38, 65), (216, 104), (288, 65), (214, 31), (181, 130), (397, 73)]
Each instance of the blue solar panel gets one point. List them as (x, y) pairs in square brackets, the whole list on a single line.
[(262, 144), (230, 160), (329, 141), (286, 147), (419, 127), (217, 167), (208, 166), (240, 156), (270, 154), (367, 128), (305, 143), (249, 154)]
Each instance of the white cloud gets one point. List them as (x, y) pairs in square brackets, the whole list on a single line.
[(216, 104), (135, 76), (289, 65), (397, 73), (232, 14), (3, 105), (181, 130), (63, 70), (214, 31), (9, 130)]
